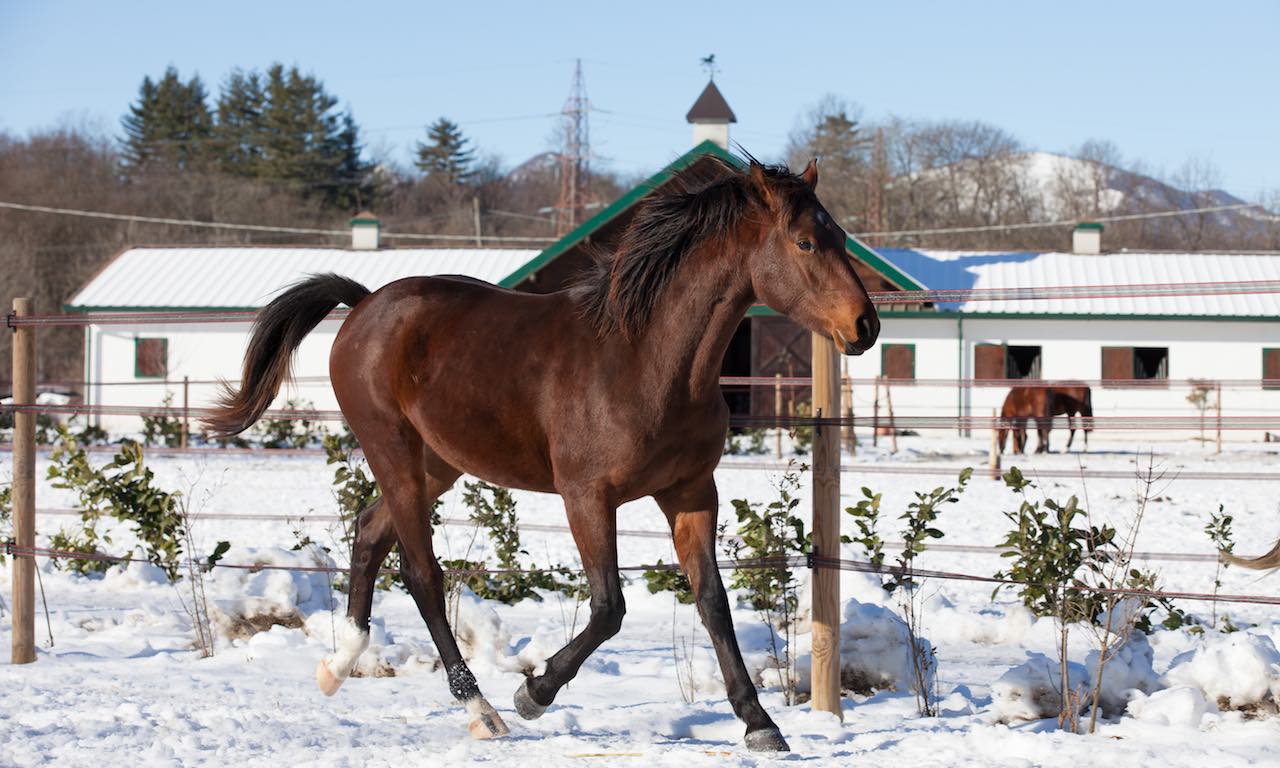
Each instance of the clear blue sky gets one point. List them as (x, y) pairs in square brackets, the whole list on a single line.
[(1163, 80)]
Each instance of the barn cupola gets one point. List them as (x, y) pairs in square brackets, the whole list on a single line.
[(364, 232), (1087, 238), (710, 116)]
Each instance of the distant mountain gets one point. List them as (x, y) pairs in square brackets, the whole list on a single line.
[(536, 166), (1068, 186), (1042, 186)]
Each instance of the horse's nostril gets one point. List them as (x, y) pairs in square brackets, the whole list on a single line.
[(866, 328)]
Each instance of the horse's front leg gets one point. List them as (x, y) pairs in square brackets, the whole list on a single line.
[(691, 510), (593, 522)]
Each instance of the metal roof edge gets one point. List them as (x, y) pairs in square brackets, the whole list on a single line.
[(881, 264), (611, 211)]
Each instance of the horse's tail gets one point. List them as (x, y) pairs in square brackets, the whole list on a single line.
[(280, 328), (1260, 563), (1087, 411)]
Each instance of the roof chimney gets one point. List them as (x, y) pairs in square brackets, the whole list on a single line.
[(711, 116), (1086, 240), (364, 232)]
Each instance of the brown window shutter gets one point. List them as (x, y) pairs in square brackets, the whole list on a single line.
[(899, 361), (988, 361), (1117, 363), (1271, 367), (151, 358)]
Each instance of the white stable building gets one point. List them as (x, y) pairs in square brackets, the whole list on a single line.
[(1140, 352), (142, 364)]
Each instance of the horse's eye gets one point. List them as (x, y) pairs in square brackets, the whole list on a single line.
[(805, 245)]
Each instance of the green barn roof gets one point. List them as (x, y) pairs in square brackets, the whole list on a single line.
[(855, 247)]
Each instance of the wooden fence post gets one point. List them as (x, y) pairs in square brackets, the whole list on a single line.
[(893, 426), (993, 458), (777, 415), (875, 415), (24, 487), (1218, 407), (186, 411), (825, 674), (851, 435)]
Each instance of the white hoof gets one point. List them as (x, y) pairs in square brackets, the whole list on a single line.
[(485, 721), (329, 683), (336, 667)]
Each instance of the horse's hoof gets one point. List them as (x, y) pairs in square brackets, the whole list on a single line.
[(526, 707), (767, 740), (485, 722), (329, 683)]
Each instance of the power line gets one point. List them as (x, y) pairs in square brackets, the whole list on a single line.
[(254, 227), (1061, 223)]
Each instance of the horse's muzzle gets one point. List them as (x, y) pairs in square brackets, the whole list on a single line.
[(868, 325)]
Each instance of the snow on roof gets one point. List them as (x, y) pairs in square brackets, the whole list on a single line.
[(249, 276), (959, 269)]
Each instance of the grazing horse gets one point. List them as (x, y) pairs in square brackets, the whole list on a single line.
[(1042, 404), (605, 392)]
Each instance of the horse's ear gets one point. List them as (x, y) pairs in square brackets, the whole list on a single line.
[(761, 182), (810, 174)]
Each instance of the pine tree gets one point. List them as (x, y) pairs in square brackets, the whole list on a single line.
[(447, 156), (284, 126), (169, 127), (239, 134)]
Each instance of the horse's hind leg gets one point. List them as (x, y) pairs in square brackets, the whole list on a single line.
[(373, 540), (374, 537), (594, 526), (400, 466), (691, 511)]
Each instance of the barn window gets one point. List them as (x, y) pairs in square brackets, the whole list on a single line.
[(1001, 361), (898, 361), (1271, 368), (1022, 362), (1144, 363), (150, 358), (1150, 362)]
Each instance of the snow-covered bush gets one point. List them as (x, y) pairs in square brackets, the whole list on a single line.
[(247, 601), (1237, 671), (1033, 690), (1128, 669), (875, 652), (1183, 707)]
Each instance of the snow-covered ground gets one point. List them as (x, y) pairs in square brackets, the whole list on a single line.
[(121, 678)]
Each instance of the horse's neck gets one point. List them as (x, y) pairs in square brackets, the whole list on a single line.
[(692, 325)]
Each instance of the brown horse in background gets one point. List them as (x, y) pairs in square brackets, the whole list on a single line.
[(1042, 404), (603, 393)]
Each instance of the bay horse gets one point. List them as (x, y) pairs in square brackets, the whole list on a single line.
[(1042, 404), (604, 392)]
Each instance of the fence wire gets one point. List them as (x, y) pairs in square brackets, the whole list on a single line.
[(812, 562)]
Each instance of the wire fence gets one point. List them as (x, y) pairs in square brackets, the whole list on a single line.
[(944, 296), (811, 562), (747, 382), (1259, 422), (523, 527)]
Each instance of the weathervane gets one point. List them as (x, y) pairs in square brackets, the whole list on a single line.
[(709, 64)]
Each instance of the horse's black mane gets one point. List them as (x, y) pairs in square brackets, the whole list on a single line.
[(701, 201)]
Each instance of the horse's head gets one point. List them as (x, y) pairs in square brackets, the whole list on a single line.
[(802, 269)]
